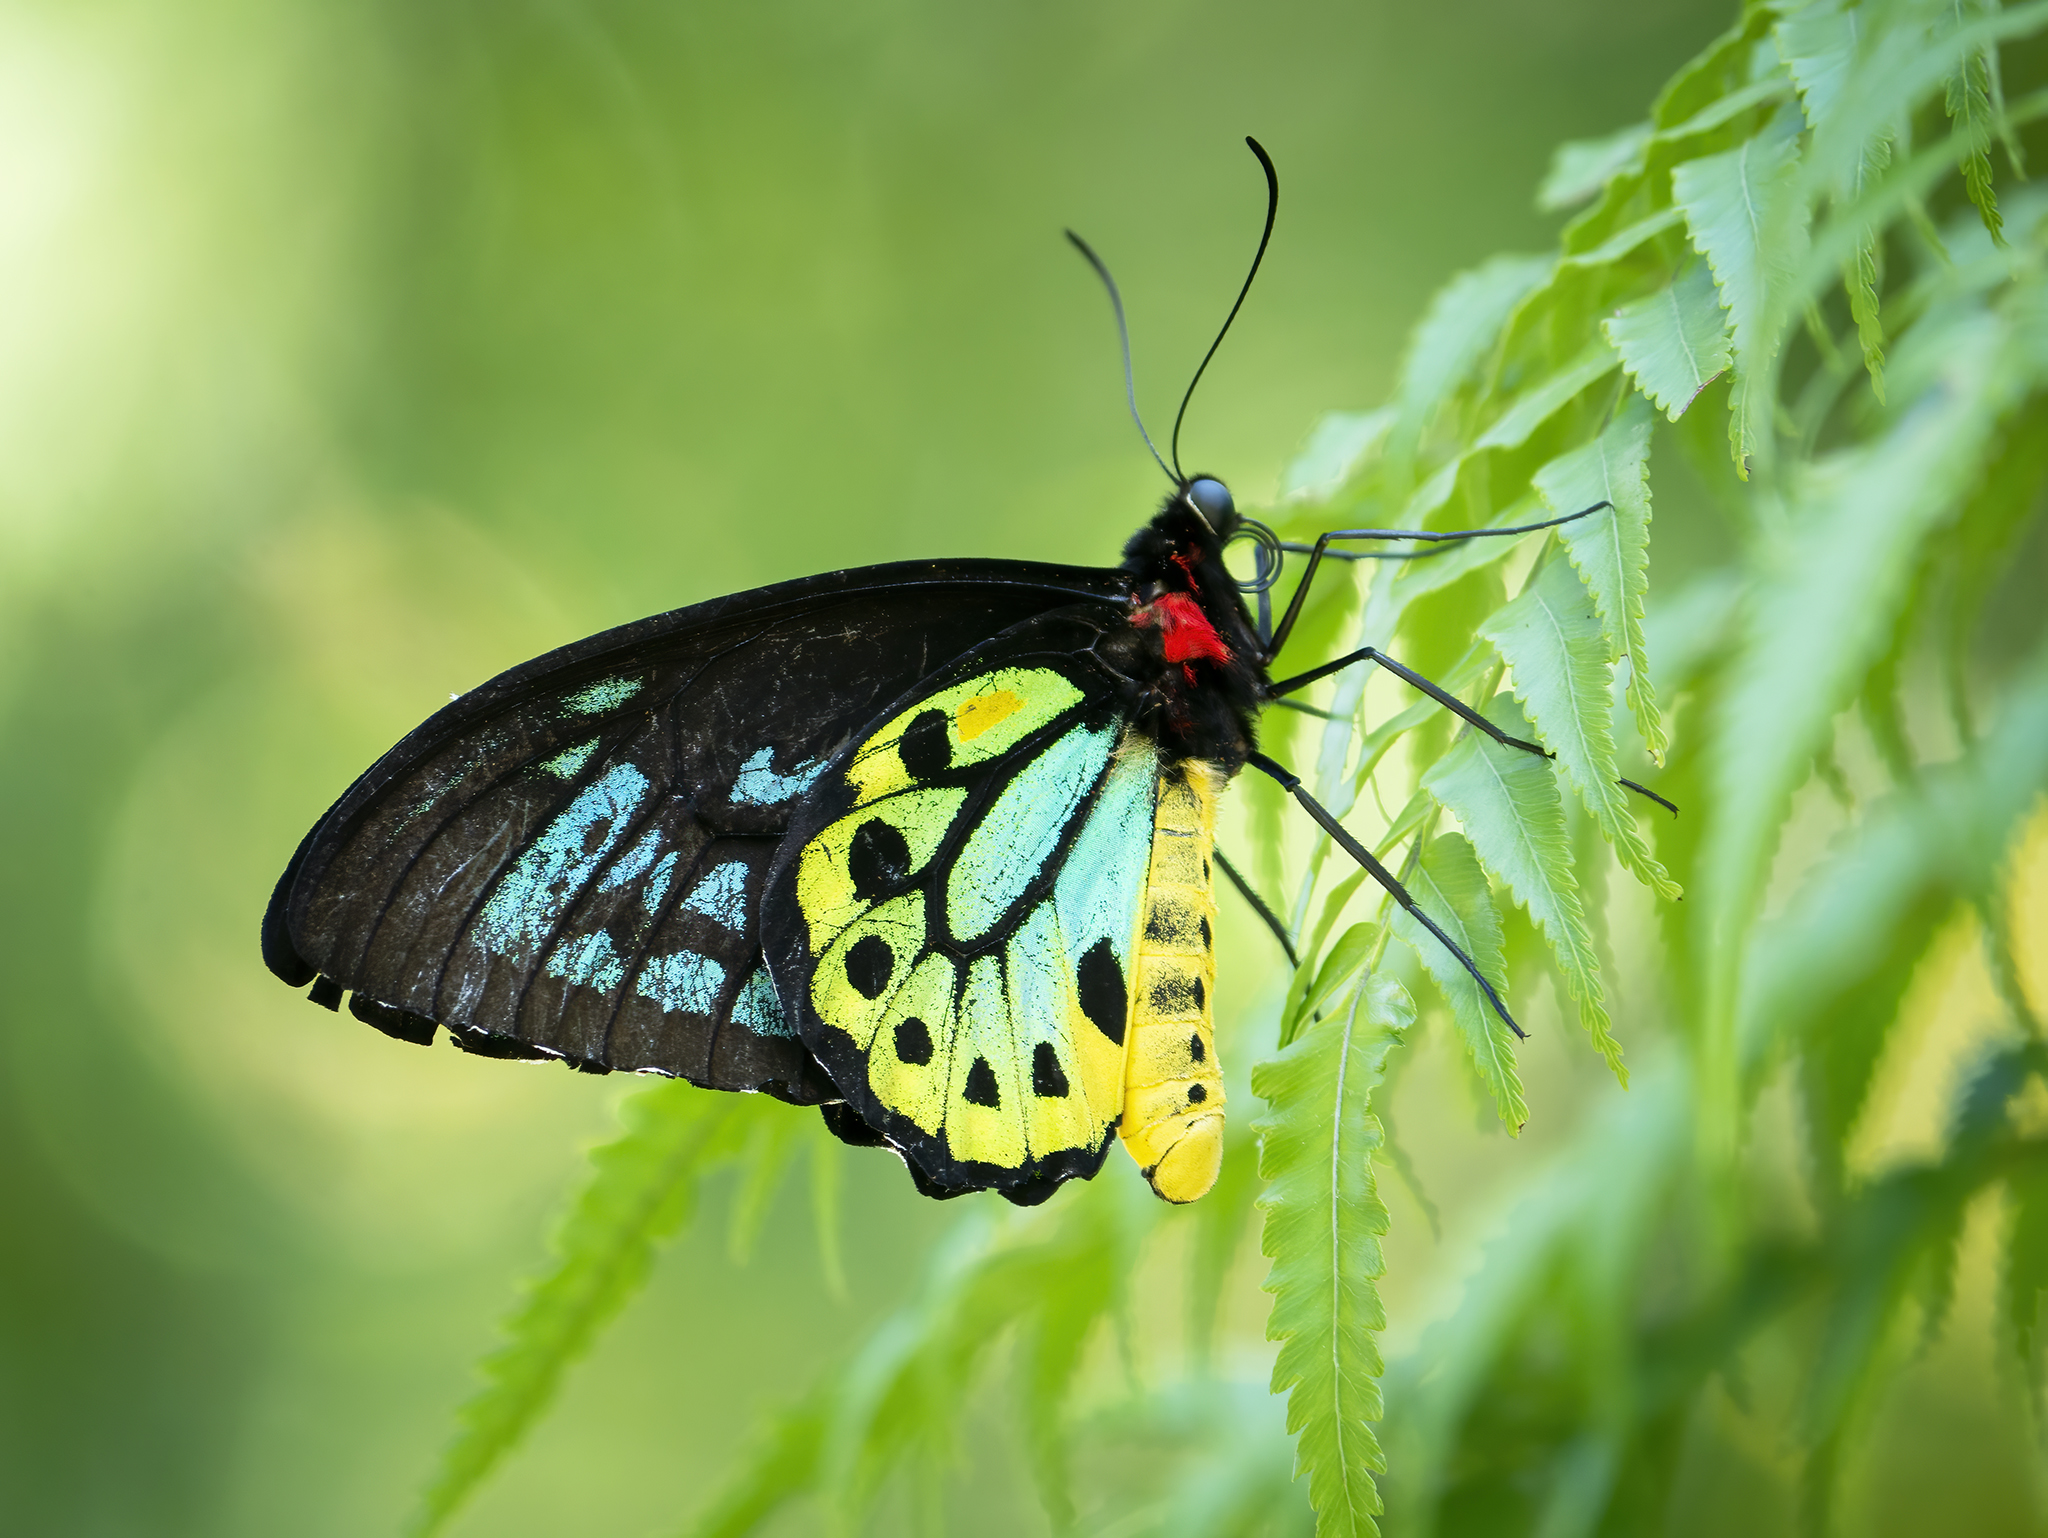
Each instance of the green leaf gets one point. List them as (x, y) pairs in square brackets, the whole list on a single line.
[(1746, 220), (1674, 343), (1710, 73), (1509, 806), (1347, 958), (1625, 240), (1336, 446), (1966, 96), (643, 1189), (1416, 579), (1459, 329), (1727, 109), (1551, 637), (2005, 121), (1818, 44), (1540, 402), (1612, 549), (1452, 890), (1860, 280), (1579, 168), (1323, 1225)]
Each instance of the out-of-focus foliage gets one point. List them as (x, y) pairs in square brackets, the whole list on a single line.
[(376, 349)]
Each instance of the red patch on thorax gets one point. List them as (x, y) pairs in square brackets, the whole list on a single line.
[(1186, 636)]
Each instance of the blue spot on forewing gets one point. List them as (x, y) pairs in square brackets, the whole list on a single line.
[(633, 861), (721, 895), (531, 896), (657, 884), (567, 765), (757, 783), (588, 960), (759, 1007), (604, 695), (685, 981)]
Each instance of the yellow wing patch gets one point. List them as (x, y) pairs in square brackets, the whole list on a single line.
[(982, 711), (976, 720)]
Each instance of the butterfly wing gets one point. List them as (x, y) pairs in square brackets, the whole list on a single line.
[(954, 920), (568, 861)]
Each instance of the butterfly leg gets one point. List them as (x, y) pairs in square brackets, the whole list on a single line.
[(1246, 891), (1438, 537), (1291, 783), (1444, 698)]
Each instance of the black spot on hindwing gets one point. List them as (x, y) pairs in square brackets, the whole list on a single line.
[(982, 1088), (913, 1042), (1197, 1094), (1196, 1051), (1100, 982), (925, 747), (869, 965), (1048, 1081), (878, 859), (1208, 943)]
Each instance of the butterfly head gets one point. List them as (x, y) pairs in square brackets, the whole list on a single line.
[(1198, 519), (1181, 549), (1209, 500)]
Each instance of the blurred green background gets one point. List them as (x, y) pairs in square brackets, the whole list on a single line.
[(352, 354)]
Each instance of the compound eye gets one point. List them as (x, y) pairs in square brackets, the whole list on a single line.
[(1211, 498)]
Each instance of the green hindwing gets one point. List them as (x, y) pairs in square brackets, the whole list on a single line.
[(951, 922)]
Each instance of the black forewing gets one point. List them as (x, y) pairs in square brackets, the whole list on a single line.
[(572, 856)]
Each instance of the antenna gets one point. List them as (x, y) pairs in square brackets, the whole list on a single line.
[(1272, 212), (1123, 335)]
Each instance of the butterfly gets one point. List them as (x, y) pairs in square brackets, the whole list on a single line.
[(928, 845)]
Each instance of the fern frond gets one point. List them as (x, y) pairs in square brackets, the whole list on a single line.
[(1675, 343), (643, 1188), (1966, 97), (1452, 889), (1324, 1220), (1744, 219), (1551, 639), (1507, 802), (1612, 550)]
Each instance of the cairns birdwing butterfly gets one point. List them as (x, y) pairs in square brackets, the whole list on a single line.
[(928, 845)]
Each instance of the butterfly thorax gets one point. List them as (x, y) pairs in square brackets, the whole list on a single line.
[(1191, 650)]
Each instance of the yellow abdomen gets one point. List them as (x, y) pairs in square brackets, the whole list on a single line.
[(1173, 1087)]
